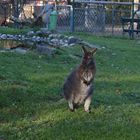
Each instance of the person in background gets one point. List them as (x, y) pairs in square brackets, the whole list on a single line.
[(46, 12)]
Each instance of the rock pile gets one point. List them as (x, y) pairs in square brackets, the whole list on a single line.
[(44, 37), (45, 41)]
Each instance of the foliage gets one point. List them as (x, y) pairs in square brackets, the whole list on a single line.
[(31, 108), (8, 30), (17, 6)]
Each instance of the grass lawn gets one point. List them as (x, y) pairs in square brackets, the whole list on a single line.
[(31, 108), (8, 30)]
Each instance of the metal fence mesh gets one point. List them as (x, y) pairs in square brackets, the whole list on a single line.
[(63, 18), (96, 18)]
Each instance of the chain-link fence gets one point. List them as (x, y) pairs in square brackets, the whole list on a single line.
[(96, 17), (64, 18), (105, 18), (101, 18)]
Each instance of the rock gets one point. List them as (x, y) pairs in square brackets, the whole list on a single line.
[(103, 47), (23, 37), (3, 36), (72, 40), (50, 36), (61, 42), (55, 41), (19, 36), (30, 43), (39, 33), (34, 39), (10, 36), (88, 44), (65, 41), (20, 50), (53, 36), (45, 31), (43, 39), (114, 54), (65, 45), (45, 49), (30, 33), (38, 38), (61, 36), (71, 44)]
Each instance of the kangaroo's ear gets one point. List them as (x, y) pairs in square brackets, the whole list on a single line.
[(84, 49), (94, 51)]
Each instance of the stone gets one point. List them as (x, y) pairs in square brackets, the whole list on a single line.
[(30, 43), (34, 39), (65, 41), (10, 36), (23, 37), (3, 36), (88, 44), (52, 39), (20, 50), (65, 45), (45, 31), (72, 40), (113, 54), (19, 36), (61, 36), (55, 40), (37, 38), (30, 33), (39, 33), (61, 42), (45, 49)]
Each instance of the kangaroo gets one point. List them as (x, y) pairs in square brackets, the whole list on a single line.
[(78, 87)]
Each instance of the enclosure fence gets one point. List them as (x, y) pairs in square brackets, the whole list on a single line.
[(95, 17)]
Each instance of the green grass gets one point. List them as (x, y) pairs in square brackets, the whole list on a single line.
[(31, 108), (9, 30)]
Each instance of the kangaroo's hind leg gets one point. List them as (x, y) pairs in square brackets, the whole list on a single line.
[(71, 105), (87, 103)]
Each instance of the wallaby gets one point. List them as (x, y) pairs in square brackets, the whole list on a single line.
[(78, 87)]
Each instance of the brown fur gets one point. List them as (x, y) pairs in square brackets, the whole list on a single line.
[(78, 87)]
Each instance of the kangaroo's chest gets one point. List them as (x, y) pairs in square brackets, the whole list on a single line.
[(83, 93), (87, 76), (84, 89)]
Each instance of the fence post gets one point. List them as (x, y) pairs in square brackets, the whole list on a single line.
[(132, 22), (113, 19), (16, 12), (71, 19), (86, 16)]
